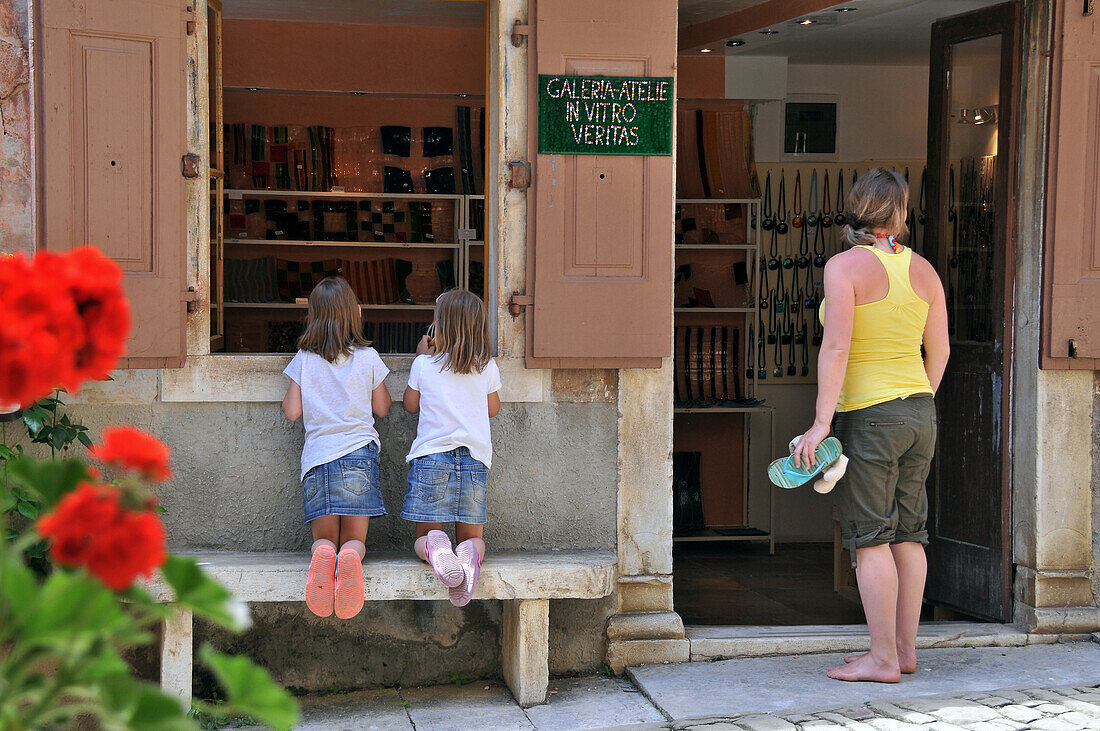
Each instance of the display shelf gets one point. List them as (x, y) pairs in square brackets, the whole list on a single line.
[(303, 306), (694, 201), (231, 193), (715, 247), (353, 244), (719, 310), (709, 534), (343, 92)]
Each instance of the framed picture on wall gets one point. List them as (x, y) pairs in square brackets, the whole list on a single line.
[(810, 127)]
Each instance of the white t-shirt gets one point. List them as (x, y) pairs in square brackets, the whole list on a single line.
[(454, 409), (336, 403)]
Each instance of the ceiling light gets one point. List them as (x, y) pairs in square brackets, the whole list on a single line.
[(845, 10), (769, 32), (704, 50), (253, 88), (735, 43), (807, 21)]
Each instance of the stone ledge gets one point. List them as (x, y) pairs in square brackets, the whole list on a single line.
[(628, 653), (260, 379), (717, 643), (645, 626), (277, 577), (1057, 620)]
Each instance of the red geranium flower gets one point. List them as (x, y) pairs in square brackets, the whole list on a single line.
[(91, 528), (39, 326), (132, 449), (95, 283)]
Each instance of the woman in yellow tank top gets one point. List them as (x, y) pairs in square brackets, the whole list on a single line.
[(882, 304)]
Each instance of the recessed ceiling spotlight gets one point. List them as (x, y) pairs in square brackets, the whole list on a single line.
[(358, 93), (735, 43), (253, 88), (845, 10), (769, 32), (704, 50), (807, 21)]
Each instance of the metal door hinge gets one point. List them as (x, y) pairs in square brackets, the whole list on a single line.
[(519, 174), (519, 32), (192, 24), (191, 165), (191, 297), (517, 302)]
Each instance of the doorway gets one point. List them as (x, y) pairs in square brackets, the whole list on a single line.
[(859, 88)]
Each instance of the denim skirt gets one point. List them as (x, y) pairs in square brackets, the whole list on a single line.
[(445, 488), (348, 485)]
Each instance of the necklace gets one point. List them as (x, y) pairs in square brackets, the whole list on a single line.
[(893, 244)]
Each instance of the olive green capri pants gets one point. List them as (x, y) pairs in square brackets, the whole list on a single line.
[(882, 497)]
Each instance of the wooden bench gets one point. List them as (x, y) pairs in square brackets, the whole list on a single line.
[(526, 582)]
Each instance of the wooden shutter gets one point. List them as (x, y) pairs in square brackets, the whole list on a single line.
[(600, 227), (113, 134), (1071, 267)]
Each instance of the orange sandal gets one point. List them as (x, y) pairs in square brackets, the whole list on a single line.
[(319, 592), (349, 584)]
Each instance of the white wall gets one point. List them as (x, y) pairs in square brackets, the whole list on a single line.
[(882, 111)]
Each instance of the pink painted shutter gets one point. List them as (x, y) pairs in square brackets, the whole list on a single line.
[(600, 227), (1071, 286), (113, 101)]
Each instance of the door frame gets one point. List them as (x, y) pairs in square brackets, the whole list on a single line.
[(1005, 20)]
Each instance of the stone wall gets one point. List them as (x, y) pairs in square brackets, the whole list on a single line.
[(1096, 489), (16, 180)]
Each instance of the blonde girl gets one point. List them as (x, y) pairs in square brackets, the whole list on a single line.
[(882, 303), (454, 385), (336, 386)]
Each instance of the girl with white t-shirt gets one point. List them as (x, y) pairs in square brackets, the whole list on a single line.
[(454, 384), (336, 386)]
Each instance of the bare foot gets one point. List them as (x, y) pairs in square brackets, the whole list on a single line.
[(867, 668), (906, 660)]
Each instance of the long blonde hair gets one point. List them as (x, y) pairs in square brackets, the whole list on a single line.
[(334, 325), (461, 336), (878, 200)]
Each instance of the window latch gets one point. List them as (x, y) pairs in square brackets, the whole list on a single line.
[(519, 32), (517, 302)]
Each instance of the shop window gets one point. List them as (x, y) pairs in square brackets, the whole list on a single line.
[(366, 163), (809, 128)]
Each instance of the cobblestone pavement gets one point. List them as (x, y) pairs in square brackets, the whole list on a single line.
[(1051, 709)]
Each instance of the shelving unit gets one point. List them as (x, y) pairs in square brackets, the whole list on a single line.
[(737, 307)]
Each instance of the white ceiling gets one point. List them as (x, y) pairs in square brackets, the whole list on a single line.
[(697, 11), (883, 32), (435, 13)]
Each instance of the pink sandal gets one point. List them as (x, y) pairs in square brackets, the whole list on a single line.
[(349, 584), (319, 591), (470, 560), (442, 559)]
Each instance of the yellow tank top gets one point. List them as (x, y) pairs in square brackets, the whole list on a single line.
[(884, 362)]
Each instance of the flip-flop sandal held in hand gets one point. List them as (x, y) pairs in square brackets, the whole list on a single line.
[(319, 591), (443, 560), (349, 584), (783, 472)]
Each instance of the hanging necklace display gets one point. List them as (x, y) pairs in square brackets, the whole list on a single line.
[(773, 251), (797, 220), (781, 205), (785, 336), (777, 357), (805, 353), (791, 370), (761, 353), (819, 244), (811, 290), (826, 204), (812, 216), (772, 318), (768, 223), (804, 247), (750, 353), (840, 219), (777, 294), (763, 287)]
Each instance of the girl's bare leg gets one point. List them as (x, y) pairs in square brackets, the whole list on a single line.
[(421, 545), (471, 532), (326, 531), (353, 533)]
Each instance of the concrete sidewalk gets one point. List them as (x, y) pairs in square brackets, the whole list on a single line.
[(1040, 686)]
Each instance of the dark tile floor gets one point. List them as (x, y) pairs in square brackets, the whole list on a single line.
[(739, 583)]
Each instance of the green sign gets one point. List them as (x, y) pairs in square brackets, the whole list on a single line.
[(605, 115)]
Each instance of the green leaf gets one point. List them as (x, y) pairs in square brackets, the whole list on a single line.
[(6, 452), (197, 591), (48, 479), (73, 607), (58, 438), (84, 438), (28, 510), (18, 589), (154, 710), (251, 690), (34, 420)]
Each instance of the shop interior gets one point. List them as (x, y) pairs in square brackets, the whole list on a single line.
[(812, 102), (345, 138)]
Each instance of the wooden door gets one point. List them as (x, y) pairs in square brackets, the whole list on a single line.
[(600, 227), (971, 130), (1071, 266), (113, 134)]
